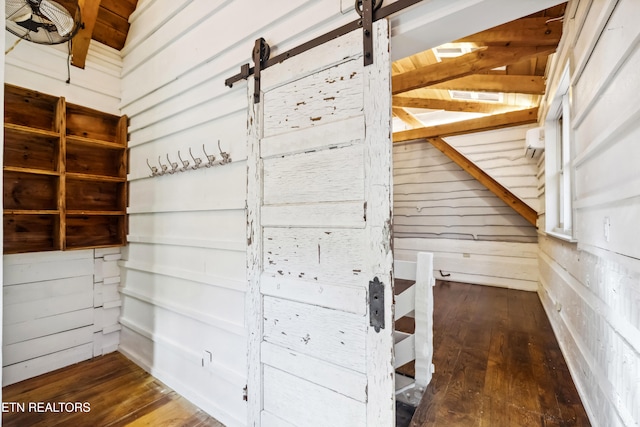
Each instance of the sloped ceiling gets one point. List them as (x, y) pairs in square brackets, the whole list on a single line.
[(507, 63), (105, 21), (488, 80)]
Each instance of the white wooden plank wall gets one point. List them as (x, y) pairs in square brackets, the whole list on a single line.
[(44, 68), (59, 308), (440, 208), (500, 153), (591, 290), (107, 301), (184, 279), (512, 265)]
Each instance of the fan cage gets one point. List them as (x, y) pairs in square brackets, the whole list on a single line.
[(47, 33)]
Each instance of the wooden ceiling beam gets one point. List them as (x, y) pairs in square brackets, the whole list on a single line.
[(526, 211), (533, 85), (474, 62), (496, 121), (539, 31), (443, 104), (80, 44), (407, 117)]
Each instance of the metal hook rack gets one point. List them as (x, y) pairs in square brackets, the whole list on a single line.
[(185, 164)]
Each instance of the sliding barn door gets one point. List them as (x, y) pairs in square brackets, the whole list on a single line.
[(319, 224)]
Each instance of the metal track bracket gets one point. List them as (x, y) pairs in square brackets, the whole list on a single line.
[(261, 52), (370, 7), (367, 31)]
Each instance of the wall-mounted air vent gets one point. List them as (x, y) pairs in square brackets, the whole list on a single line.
[(534, 143)]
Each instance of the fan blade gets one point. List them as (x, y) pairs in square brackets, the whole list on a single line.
[(58, 15), (17, 10)]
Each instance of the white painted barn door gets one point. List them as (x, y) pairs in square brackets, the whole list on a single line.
[(319, 224)]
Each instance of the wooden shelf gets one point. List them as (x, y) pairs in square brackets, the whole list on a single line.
[(38, 150), (31, 109), (28, 131), (89, 231), (31, 233), (31, 171), (98, 196), (97, 178), (90, 213), (27, 191), (65, 173), (89, 142), (30, 212), (92, 124)]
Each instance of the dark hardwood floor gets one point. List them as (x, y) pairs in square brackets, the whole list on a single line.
[(118, 393), (497, 363)]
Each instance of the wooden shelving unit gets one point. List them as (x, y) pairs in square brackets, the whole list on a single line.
[(65, 169)]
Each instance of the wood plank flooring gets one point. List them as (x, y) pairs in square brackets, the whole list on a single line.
[(118, 393), (497, 363)]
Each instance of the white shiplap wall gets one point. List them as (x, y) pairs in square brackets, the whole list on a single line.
[(591, 290), (60, 307), (184, 279), (184, 276), (44, 68), (440, 208)]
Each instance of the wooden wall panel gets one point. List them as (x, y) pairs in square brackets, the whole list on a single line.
[(174, 65), (52, 294), (284, 392), (435, 199), (316, 254), (422, 174), (217, 386), (504, 264), (440, 208), (217, 302), (59, 308), (591, 290), (328, 182), (500, 153), (44, 68)]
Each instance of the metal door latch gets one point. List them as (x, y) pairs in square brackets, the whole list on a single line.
[(376, 304)]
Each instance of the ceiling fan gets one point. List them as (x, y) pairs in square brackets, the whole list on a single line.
[(42, 21)]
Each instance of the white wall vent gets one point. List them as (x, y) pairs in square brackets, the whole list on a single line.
[(534, 143)]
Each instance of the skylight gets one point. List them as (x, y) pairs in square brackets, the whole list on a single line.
[(464, 95)]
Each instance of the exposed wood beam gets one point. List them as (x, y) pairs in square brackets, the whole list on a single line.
[(521, 32), (89, 12), (443, 104), (407, 117), (526, 211), (497, 121), (474, 62), (533, 85)]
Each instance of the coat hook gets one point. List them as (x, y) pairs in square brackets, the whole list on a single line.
[(226, 158), (163, 167), (174, 165), (210, 157), (154, 170), (185, 163), (196, 161)]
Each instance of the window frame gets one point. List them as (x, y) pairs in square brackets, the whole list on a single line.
[(559, 174)]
